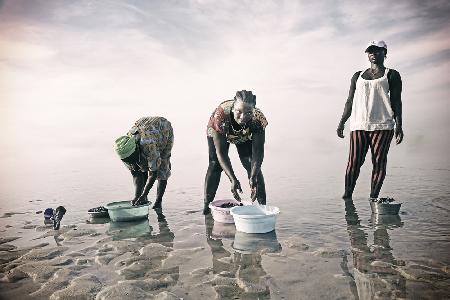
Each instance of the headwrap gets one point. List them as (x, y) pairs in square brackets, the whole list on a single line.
[(125, 146)]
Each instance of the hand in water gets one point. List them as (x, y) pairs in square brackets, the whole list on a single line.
[(139, 201), (235, 187)]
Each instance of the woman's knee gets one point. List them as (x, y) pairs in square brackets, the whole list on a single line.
[(379, 162), (246, 162), (214, 166), (261, 176)]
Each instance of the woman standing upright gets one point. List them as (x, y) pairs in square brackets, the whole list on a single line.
[(374, 107), (238, 122)]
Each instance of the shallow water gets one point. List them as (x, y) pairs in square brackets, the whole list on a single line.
[(323, 247)]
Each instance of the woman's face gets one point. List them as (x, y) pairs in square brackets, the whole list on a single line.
[(132, 159), (242, 112), (376, 55)]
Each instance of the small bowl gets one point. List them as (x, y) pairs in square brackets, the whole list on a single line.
[(222, 214), (123, 211), (385, 208), (98, 214)]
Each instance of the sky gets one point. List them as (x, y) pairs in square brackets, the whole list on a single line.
[(74, 75)]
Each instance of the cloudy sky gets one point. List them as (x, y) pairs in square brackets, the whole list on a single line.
[(76, 74)]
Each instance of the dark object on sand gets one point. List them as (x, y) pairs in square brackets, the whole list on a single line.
[(382, 200), (48, 213), (98, 212), (384, 206), (57, 216), (230, 204)]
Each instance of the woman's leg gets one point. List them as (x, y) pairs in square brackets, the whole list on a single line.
[(164, 171), (380, 140), (161, 188), (245, 155), (213, 174), (359, 144)]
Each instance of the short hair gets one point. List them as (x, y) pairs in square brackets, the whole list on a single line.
[(246, 97)]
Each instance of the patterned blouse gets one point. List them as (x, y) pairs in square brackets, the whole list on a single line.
[(220, 121), (155, 136)]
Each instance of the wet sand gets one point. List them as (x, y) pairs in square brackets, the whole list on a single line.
[(207, 261), (323, 248)]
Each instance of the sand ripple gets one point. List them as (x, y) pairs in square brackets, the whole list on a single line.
[(84, 287)]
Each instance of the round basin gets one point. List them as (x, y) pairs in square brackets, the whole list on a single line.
[(255, 218), (123, 211), (222, 214)]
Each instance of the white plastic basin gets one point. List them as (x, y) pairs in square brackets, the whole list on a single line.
[(123, 211), (220, 214), (255, 218)]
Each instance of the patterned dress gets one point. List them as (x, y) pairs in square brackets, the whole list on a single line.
[(220, 121), (155, 138)]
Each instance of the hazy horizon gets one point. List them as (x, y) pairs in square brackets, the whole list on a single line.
[(77, 74)]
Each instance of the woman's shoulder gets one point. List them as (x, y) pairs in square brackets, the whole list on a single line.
[(259, 117), (393, 73), (394, 77), (226, 106), (226, 103), (357, 74)]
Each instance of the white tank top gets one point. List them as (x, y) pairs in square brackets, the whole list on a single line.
[(371, 109)]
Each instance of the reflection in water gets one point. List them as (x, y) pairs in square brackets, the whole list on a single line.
[(127, 230), (223, 230), (165, 236), (98, 220), (152, 262), (143, 230), (246, 243), (375, 275), (244, 266)]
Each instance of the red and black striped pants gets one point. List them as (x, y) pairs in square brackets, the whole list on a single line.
[(360, 141)]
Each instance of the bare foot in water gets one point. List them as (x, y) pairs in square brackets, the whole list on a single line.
[(206, 210)]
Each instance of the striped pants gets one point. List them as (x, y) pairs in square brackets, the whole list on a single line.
[(360, 141)]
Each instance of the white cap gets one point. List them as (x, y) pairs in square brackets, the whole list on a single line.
[(379, 44)]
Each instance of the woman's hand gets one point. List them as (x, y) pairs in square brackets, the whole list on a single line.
[(398, 135), (235, 187), (140, 200), (340, 131)]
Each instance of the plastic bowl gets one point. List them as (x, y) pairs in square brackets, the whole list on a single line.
[(220, 214), (385, 208), (255, 218), (98, 212), (123, 211)]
